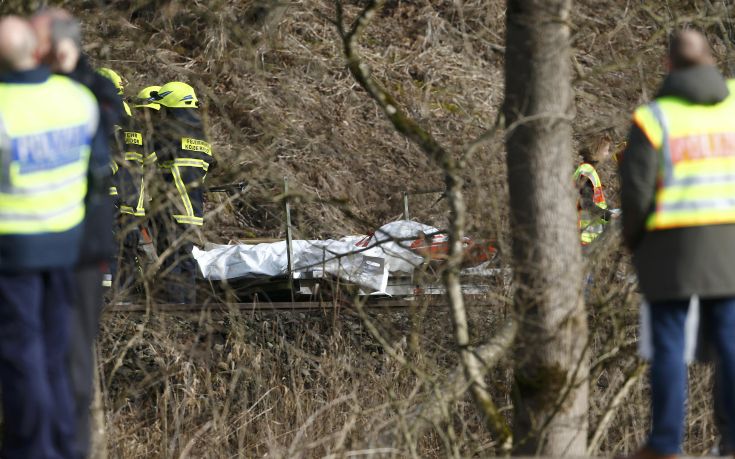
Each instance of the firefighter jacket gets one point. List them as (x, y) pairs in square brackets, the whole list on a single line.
[(183, 158), (678, 188), (590, 209), (46, 127), (130, 175), (118, 156)]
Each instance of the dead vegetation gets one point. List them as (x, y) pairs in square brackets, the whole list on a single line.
[(281, 103)]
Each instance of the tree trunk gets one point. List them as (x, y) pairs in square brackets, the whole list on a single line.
[(550, 396)]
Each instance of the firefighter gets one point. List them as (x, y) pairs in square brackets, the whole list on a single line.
[(130, 185), (592, 208), (128, 188), (146, 114), (183, 157), (137, 142), (115, 163)]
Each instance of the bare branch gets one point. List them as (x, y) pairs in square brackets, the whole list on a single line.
[(453, 180), (471, 149), (612, 407), (424, 416)]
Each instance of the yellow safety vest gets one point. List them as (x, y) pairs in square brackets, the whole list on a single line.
[(46, 132), (590, 228), (588, 171), (696, 147)]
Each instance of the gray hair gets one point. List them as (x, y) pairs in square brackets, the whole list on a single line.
[(66, 28)]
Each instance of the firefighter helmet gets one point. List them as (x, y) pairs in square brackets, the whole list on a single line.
[(177, 95), (112, 76), (147, 98)]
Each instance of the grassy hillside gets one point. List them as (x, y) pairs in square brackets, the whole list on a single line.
[(280, 103)]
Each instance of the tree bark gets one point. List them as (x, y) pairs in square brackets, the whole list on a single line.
[(551, 391)]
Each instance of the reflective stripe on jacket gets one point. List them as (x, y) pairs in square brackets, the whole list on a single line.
[(184, 175), (131, 188), (184, 157), (696, 147), (45, 132), (590, 228)]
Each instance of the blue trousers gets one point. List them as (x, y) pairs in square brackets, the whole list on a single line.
[(669, 372), (38, 408)]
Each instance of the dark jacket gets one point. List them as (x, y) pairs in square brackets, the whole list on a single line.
[(675, 263), (177, 124), (98, 244)]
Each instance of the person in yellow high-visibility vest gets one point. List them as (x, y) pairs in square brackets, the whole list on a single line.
[(678, 206), (59, 48), (592, 208), (47, 126)]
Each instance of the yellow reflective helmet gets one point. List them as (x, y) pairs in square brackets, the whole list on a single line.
[(112, 76), (147, 98), (177, 95)]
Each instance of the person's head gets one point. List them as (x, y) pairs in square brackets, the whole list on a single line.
[(176, 94), (17, 44), (598, 151), (59, 39), (689, 48)]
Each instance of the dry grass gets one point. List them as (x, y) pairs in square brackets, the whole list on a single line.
[(279, 385), (280, 103)]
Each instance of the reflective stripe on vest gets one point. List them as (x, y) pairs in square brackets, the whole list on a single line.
[(588, 171), (590, 229), (44, 155), (696, 147)]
